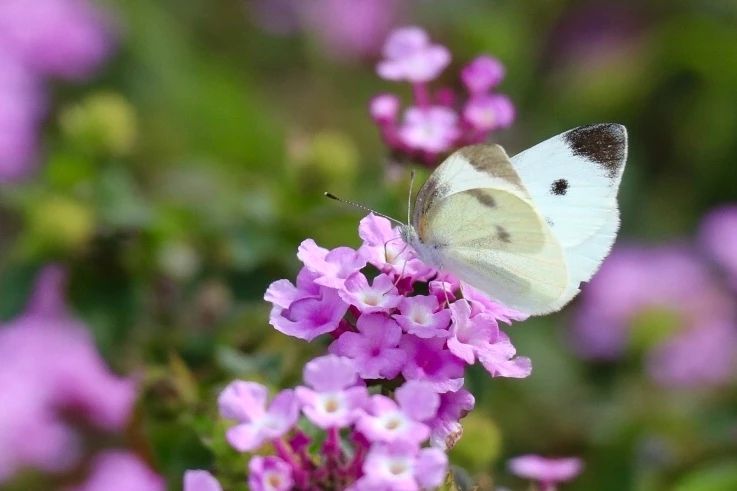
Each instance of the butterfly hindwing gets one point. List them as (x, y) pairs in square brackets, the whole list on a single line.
[(573, 179), (496, 241)]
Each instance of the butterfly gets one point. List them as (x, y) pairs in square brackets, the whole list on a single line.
[(529, 229)]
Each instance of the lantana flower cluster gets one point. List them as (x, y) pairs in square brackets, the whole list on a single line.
[(387, 399), (442, 120)]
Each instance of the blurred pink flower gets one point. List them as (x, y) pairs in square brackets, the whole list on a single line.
[(121, 471), (269, 474), (51, 369), (199, 480), (546, 471), (718, 237), (58, 38), (675, 283), (482, 74), (21, 108), (344, 29), (410, 56), (432, 129), (402, 466)]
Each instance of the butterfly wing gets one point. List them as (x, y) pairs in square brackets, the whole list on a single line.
[(573, 179), (475, 219)]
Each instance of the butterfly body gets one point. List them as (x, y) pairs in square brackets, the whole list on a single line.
[(526, 230)]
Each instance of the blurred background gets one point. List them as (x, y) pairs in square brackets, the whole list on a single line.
[(168, 157)]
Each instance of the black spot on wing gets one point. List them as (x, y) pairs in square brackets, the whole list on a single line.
[(604, 144), (559, 187)]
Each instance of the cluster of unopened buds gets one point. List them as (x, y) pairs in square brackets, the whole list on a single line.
[(437, 121), (385, 404)]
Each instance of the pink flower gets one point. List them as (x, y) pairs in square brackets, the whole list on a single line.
[(50, 364), (374, 348), (331, 268), (199, 480), (433, 129), (548, 472), (401, 467), (383, 247), (245, 402), (61, 38), (445, 427), (334, 400), (422, 317), (482, 74), (469, 336), (718, 237), (409, 56), (121, 471), (269, 474), (21, 107), (380, 296), (487, 112), (428, 361), (304, 311), (384, 108), (389, 421)]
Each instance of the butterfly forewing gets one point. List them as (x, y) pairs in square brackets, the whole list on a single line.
[(573, 179)]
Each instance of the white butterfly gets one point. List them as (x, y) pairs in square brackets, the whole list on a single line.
[(527, 230)]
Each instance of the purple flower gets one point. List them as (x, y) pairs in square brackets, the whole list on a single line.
[(704, 355), (389, 421), (121, 471), (548, 472), (481, 303), (482, 74), (469, 336), (488, 112), (269, 474), (401, 467), (384, 108), (383, 247), (21, 108), (245, 402), (718, 237), (306, 310), (429, 129), (199, 480), (50, 366), (331, 268), (374, 348), (409, 56), (380, 296), (445, 427), (640, 287), (428, 361), (334, 399), (61, 38), (422, 317)]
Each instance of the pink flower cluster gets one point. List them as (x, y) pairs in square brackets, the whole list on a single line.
[(41, 39), (392, 383), (52, 375), (547, 472), (673, 286), (436, 122)]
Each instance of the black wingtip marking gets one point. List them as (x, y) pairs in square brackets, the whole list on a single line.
[(603, 143), (559, 187)]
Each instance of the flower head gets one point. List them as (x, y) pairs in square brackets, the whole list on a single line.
[(482, 74), (402, 466), (199, 480), (333, 399), (245, 402), (269, 474), (121, 471), (547, 471), (410, 56)]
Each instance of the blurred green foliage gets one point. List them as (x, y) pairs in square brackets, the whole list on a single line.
[(179, 183)]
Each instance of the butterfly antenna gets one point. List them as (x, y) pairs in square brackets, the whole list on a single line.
[(409, 198), (357, 205)]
